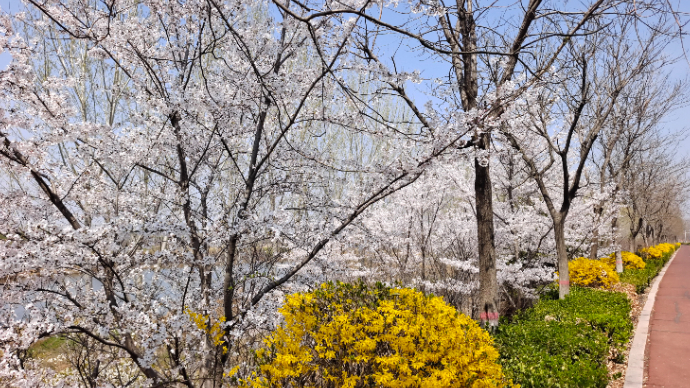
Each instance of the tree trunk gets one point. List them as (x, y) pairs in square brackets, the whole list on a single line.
[(465, 68), (563, 272), (594, 250), (619, 257), (648, 235), (633, 235), (488, 301), (660, 234), (619, 261)]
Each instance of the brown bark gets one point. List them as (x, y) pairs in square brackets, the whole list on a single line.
[(563, 272), (463, 41), (488, 301), (594, 249), (204, 270), (11, 153), (633, 235)]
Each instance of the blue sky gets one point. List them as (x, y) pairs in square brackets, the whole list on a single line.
[(8, 6), (676, 121)]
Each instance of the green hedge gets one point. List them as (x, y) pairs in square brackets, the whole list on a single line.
[(642, 278), (564, 343)]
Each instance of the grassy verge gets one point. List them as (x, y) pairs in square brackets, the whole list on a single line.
[(565, 343), (642, 278)]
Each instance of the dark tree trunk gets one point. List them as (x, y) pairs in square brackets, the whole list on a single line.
[(488, 302)]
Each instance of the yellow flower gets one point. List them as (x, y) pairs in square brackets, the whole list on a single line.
[(658, 251), (215, 332), (592, 273), (345, 335), (630, 260)]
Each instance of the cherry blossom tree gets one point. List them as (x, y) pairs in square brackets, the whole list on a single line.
[(568, 119), (634, 128), (177, 165), (654, 184), (172, 169), (494, 54)]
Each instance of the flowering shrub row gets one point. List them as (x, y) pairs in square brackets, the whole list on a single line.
[(354, 335), (642, 277), (630, 260), (658, 251), (602, 273), (592, 273)]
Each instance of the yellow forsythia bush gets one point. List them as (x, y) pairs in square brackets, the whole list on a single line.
[(213, 329), (353, 335), (666, 247), (592, 273), (609, 260), (652, 252), (657, 251), (630, 260)]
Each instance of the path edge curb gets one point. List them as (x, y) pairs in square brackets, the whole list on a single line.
[(634, 373)]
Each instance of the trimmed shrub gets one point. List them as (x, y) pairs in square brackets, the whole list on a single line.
[(654, 258), (565, 343), (608, 312), (344, 335), (666, 248), (592, 273), (651, 253), (630, 260), (641, 278), (660, 251), (553, 354)]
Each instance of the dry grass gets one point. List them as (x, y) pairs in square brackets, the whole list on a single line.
[(50, 352)]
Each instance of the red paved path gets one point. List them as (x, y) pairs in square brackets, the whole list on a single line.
[(669, 329)]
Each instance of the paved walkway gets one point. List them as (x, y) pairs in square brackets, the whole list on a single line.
[(669, 329)]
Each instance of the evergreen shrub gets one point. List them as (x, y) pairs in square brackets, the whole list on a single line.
[(565, 343)]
